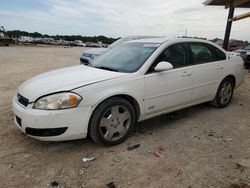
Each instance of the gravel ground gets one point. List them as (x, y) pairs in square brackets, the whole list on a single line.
[(196, 147)]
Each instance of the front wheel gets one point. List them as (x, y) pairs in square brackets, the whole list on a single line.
[(112, 121), (224, 94)]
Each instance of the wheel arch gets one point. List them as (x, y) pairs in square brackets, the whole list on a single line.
[(232, 77), (127, 97)]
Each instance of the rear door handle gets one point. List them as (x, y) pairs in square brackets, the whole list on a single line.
[(219, 67)]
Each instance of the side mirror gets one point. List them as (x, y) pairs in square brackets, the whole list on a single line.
[(163, 66)]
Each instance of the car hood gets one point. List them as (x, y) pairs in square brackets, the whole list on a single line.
[(96, 51), (64, 80)]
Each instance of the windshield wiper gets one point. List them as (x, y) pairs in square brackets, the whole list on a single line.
[(106, 68)]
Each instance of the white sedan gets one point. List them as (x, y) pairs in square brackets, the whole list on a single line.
[(138, 80)]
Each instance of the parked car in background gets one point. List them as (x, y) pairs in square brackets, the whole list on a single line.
[(80, 43), (89, 55), (150, 77), (5, 40), (235, 45), (91, 44), (245, 54)]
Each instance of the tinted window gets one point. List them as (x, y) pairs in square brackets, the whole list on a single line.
[(201, 53), (204, 53), (176, 55), (218, 54)]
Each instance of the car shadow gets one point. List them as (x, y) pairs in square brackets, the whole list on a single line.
[(169, 119)]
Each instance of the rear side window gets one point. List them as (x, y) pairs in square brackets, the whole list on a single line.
[(204, 53), (218, 54)]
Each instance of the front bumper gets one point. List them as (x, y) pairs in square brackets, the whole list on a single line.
[(56, 125)]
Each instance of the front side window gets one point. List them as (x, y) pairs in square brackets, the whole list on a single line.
[(204, 53), (175, 54)]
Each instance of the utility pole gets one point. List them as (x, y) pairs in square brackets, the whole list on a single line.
[(229, 25)]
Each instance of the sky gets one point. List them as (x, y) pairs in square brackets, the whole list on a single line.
[(116, 18)]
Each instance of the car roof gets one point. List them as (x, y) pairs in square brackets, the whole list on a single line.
[(140, 37), (162, 40)]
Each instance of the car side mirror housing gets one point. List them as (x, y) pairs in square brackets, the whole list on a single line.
[(163, 66)]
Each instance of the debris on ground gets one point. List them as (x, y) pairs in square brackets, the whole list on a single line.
[(241, 185), (244, 163), (85, 159), (211, 133), (159, 152), (228, 139), (178, 172), (111, 185), (240, 167), (117, 159), (54, 184), (10, 166), (81, 172), (133, 147), (240, 103)]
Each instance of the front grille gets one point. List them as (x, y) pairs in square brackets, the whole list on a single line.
[(22, 100), (84, 61)]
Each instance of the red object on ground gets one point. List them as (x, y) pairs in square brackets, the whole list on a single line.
[(159, 152), (178, 172)]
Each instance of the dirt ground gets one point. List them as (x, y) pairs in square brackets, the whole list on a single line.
[(195, 147)]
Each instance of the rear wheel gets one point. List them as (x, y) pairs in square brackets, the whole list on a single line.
[(112, 121), (224, 94)]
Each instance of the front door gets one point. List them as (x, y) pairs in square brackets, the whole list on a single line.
[(169, 89)]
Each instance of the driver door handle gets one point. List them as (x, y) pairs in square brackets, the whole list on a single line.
[(219, 67), (186, 73)]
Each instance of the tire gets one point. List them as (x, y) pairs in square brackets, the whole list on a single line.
[(224, 94), (112, 121)]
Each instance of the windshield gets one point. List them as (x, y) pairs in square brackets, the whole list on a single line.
[(118, 42), (247, 47), (128, 57)]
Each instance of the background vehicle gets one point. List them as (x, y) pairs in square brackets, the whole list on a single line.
[(245, 54), (80, 43), (235, 45), (89, 55), (91, 44), (5, 40), (150, 77)]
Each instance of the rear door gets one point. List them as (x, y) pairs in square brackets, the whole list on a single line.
[(208, 63)]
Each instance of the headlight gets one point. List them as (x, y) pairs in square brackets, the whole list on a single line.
[(92, 56), (58, 101), (89, 55)]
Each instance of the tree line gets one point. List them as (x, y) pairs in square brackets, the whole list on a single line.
[(104, 39)]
